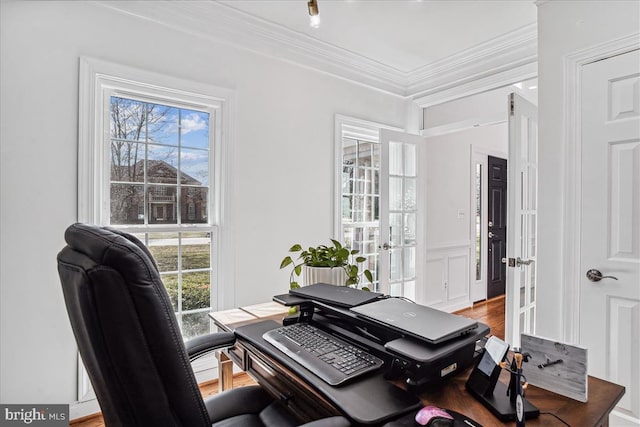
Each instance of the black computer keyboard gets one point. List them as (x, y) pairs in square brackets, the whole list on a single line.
[(332, 359)]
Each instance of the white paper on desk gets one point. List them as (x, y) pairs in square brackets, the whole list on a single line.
[(496, 349)]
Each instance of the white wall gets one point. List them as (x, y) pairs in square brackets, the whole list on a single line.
[(448, 190), (282, 173), (564, 27)]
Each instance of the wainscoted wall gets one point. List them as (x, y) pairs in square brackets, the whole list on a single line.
[(447, 276)]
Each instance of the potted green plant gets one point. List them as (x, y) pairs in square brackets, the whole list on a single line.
[(336, 257)]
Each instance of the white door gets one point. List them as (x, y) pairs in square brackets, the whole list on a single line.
[(400, 221), (522, 218), (610, 225)]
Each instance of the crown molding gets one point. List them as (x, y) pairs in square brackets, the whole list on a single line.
[(504, 55), (221, 23)]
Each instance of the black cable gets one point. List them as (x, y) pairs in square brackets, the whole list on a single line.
[(554, 415)]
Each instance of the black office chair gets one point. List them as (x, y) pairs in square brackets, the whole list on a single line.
[(131, 346)]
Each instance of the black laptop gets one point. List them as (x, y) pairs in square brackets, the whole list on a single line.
[(342, 296), (422, 322)]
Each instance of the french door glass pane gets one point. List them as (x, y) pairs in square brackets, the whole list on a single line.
[(395, 265), (395, 229), (395, 158), (396, 195), (409, 194), (478, 221), (361, 201), (409, 160), (409, 255), (410, 229)]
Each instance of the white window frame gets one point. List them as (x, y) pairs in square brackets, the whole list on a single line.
[(98, 80)]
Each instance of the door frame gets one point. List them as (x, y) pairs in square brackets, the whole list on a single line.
[(572, 218)]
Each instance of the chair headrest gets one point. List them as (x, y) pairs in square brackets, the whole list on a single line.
[(108, 246)]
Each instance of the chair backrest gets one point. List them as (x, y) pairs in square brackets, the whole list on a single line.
[(126, 331)]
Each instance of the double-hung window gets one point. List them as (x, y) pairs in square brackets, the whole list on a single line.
[(150, 165)]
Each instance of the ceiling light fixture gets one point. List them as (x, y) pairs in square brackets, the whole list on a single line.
[(314, 14)]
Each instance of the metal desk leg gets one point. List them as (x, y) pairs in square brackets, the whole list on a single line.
[(225, 371)]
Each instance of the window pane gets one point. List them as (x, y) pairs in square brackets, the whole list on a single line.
[(164, 248), (127, 160), (127, 204), (195, 324), (194, 129), (194, 167), (128, 119), (171, 283), (162, 164), (196, 250), (162, 122), (162, 204), (196, 290), (193, 205)]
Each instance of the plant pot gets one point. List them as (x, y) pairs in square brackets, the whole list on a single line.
[(332, 276)]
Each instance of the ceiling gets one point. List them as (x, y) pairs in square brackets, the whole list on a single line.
[(429, 51), (402, 34)]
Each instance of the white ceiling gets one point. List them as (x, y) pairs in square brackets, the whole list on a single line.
[(402, 34), (430, 51)]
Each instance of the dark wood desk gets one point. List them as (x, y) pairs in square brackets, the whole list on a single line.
[(284, 384)]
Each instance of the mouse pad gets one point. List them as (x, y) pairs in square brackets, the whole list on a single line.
[(459, 420)]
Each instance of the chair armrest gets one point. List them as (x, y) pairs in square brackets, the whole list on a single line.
[(329, 422), (199, 346)]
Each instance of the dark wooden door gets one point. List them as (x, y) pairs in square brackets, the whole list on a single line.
[(497, 226)]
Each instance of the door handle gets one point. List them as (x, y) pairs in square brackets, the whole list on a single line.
[(516, 262), (520, 262), (595, 275), (386, 246)]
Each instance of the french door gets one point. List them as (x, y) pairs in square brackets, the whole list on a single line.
[(379, 203), (401, 208), (522, 219)]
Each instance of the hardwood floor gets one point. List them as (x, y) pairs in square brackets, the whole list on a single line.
[(490, 312)]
